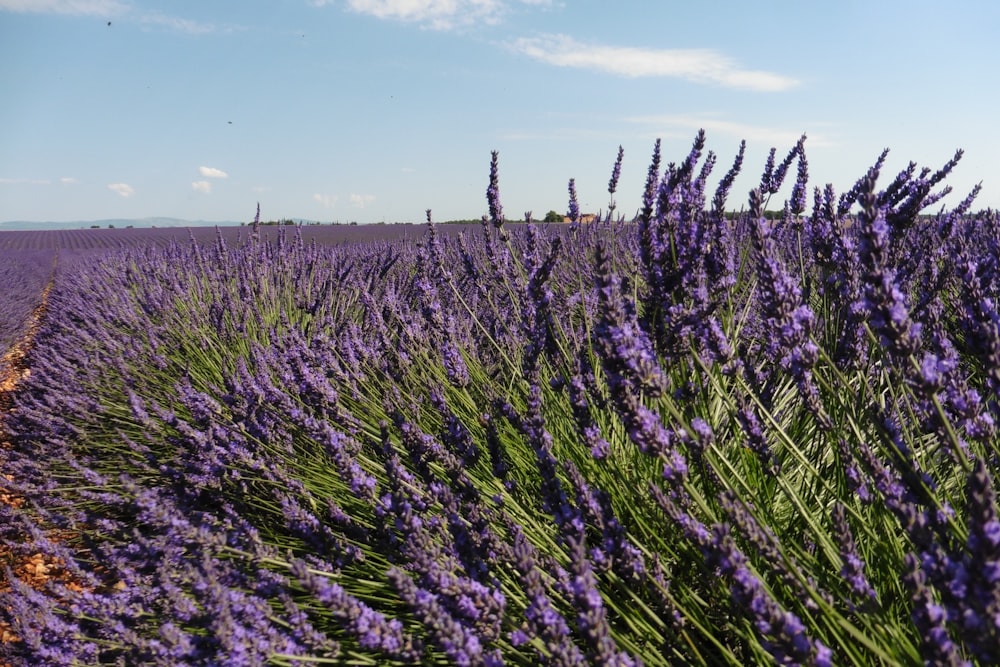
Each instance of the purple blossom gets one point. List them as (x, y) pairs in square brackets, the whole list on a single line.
[(853, 566), (589, 431), (753, 429), (978, 605), (627, 353), (371, 628), (460, 644), (937, 645), (798, 200), (783, 633), (541, 618), (591, 615), (856, 482), (767, 546), (574, 206), (493, 193), (616, 172)]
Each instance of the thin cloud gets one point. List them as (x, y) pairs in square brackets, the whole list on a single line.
[(175, 23), (212, 172), (698, 65), (107, 8), (561, 134), (712, 123), (82, 7), (24, 181), (328, 201), (123, 189), (204, 187), (435, 14), (68, 180), (360, 201)]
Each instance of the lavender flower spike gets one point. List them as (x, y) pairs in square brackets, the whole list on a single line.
[(493, 193), (574, 206), (616, 173), (798, 201), (853, 567)]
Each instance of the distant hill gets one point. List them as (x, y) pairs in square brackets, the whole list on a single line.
[(26, 225)]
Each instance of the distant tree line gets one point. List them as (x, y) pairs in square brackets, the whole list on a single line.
[(551, 216)]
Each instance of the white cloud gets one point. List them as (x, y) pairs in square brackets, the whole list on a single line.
[(106, 8), (98, 7), (123, 189), (699, 65), (24, 181), (436, 14), (212, 172), (175, 23), (65, 180), (714, 124), (328, 201), (360, 201), (204, 187)]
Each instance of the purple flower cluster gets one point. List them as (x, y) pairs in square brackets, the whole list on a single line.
[(695, 437), (24, 274), (786, 638)]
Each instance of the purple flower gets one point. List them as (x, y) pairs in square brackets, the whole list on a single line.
[(783, 633), (493, 193), (722, 191), (589, 431), (541, 618), (767, 546), (627, 353), (574, 207), (613, 183), (930, 618), (855, 481), (591, 615), (373, 630), (853, 566), (458, 641), (798, 199), (753, 429), (978, 599)]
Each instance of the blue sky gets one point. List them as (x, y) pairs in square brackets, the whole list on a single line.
[(375, 110)]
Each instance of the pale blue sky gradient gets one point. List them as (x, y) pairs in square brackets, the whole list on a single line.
[(375, 110)]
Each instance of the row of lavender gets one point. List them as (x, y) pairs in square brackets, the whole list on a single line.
[(83, 240), (688, 440), (29, 259), (24, 276)]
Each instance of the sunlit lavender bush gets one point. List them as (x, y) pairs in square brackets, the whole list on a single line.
[(691, 438)]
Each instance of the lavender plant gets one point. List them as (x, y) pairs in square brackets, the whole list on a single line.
[(691, 438), (25, 275)]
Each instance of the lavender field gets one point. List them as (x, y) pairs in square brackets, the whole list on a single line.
[(692, 438), (24, 275)]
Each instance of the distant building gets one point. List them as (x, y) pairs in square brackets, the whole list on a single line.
[(584, 217)]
